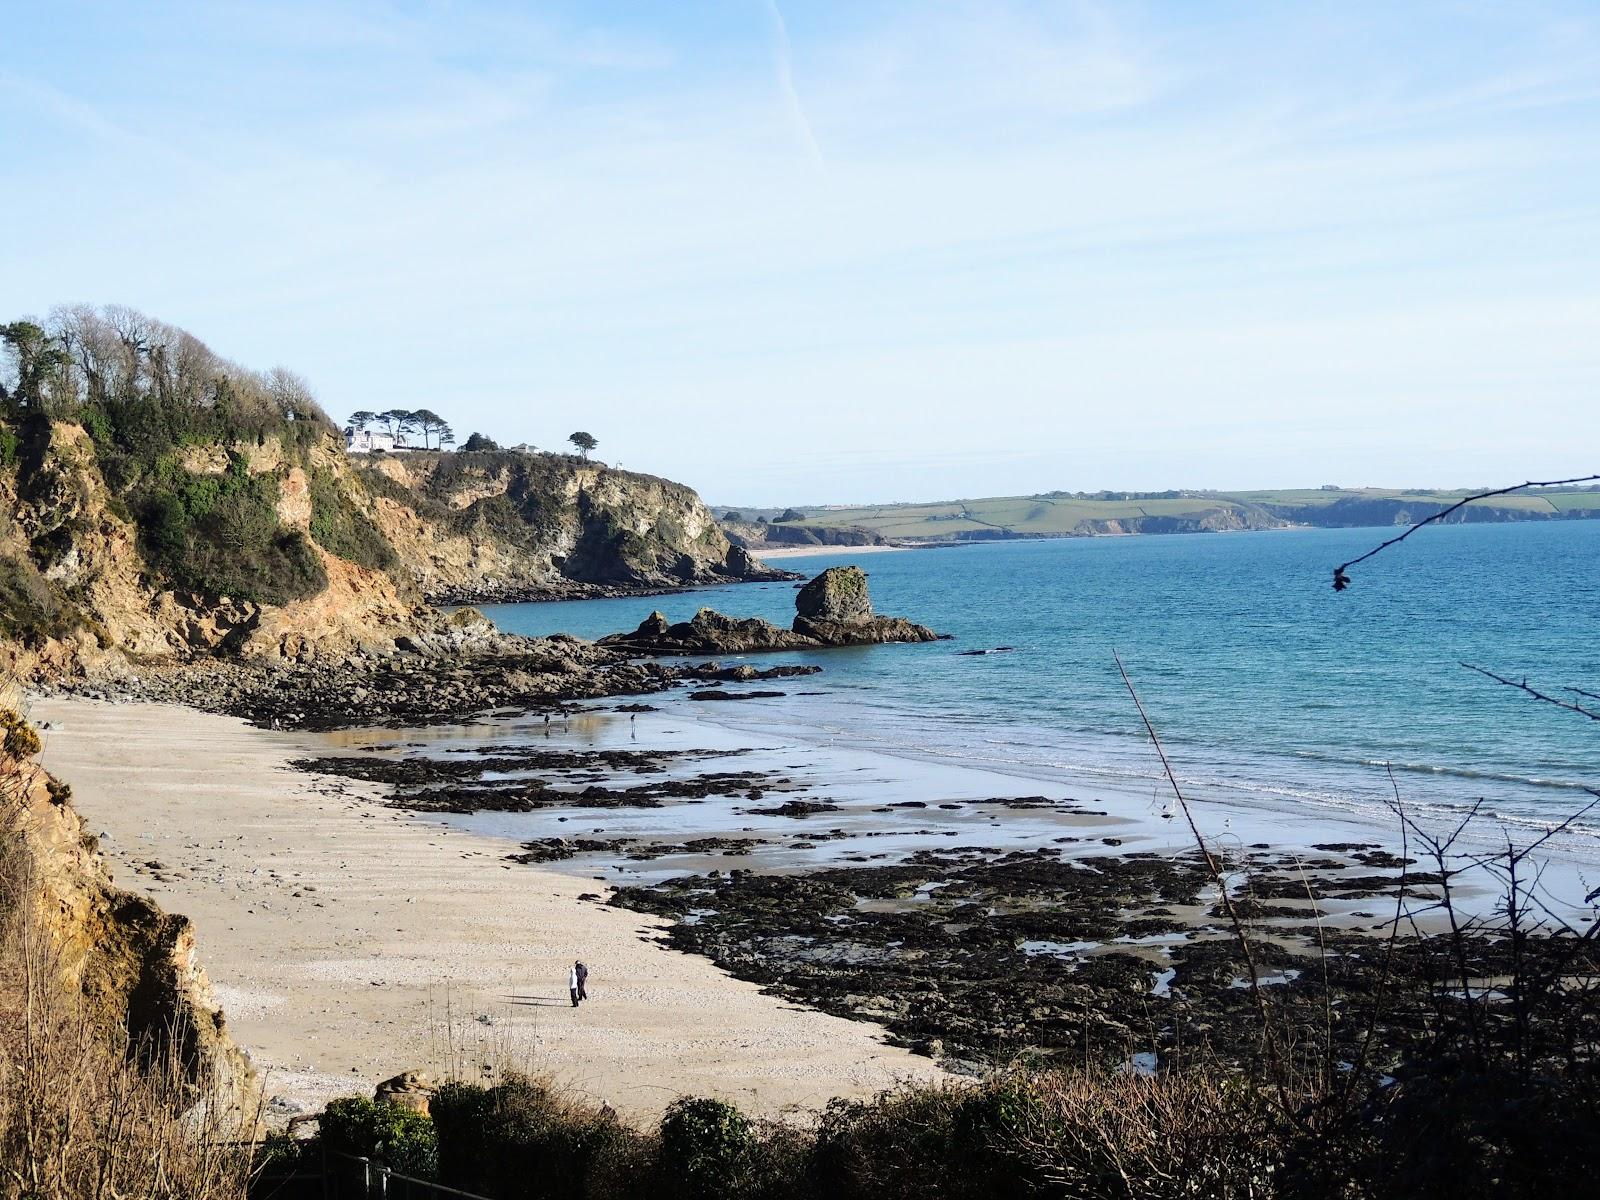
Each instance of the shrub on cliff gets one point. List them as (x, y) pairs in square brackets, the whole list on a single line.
[(219, 533), (18, 739), (706, 1147), (341, 528), (30, 607), (956, 1141)]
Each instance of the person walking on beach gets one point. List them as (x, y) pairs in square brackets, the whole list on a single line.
[(573, 986), (581, 974)]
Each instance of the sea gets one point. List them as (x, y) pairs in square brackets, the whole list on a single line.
[(1271, 692)]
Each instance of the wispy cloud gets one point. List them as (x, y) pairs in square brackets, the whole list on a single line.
[(782, 57), (1105, 244)]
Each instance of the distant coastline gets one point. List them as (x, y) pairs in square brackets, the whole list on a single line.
[(826, 551), (1102, 514)]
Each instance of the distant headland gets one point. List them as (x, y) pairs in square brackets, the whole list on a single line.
[(1099, 514)]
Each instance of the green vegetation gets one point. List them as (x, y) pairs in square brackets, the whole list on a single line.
[(31, 608), (164, 413), (583, 442), (1198, 1130), (341, 528), (522, 1138), (220, 534), (1061, 514), (397, 1137), (709, 1146)]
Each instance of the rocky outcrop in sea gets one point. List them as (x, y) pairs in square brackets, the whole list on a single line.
[(834, 609)]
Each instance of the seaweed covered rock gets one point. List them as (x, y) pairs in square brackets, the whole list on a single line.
[(707, 632), (834, 609)]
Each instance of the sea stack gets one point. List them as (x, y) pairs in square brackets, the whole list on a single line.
[(836, 609)]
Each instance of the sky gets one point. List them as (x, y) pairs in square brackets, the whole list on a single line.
[(853, 252)]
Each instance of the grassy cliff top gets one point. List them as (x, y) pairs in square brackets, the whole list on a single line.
[(1061, 514)]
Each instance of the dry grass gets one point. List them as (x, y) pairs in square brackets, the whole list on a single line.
[(78, 1117)]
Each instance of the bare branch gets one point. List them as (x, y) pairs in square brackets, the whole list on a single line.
[(1522, 686), (1341, 580), (1217, 877)]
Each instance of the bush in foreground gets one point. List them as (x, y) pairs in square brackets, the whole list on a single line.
[(397, 1137)]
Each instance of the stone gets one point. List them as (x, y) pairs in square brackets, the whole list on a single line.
[(409, 1089), (838, 594), (834, 609)]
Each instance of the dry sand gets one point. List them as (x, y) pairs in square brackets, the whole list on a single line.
[(336, 932)]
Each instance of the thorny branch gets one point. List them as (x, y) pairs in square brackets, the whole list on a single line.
[(1341, 579)]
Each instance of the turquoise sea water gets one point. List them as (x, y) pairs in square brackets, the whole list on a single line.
[(1267, 686)]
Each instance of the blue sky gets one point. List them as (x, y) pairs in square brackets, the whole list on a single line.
[(799, 253)]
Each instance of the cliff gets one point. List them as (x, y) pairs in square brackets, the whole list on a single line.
[(222, 549), (132, 965), (158, 502), (507, 525), (759, 535)]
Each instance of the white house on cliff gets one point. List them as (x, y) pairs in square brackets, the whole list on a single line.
[(365, 441)]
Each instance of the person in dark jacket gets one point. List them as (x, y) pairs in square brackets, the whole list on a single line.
[(581, 974)]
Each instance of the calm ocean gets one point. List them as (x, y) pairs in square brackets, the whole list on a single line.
[(1266, 685)]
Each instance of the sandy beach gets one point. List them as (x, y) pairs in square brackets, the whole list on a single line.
[(824, 551), (338, 933)]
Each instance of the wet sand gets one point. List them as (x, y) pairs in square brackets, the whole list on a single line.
[(339, 933)]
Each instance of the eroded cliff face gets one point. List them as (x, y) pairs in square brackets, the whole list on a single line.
[(283, 548), (79, 592), (133, 964), (756, 536), (480, 526)]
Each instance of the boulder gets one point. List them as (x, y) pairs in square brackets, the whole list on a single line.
[(838, 594), (708, 632), (870, 632), (409, 1089)]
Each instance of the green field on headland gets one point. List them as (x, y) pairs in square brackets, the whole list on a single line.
[(1078, 514)]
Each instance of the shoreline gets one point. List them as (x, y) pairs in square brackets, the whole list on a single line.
[(338, 931), (825, 551), (900, 894), (1285, 818), (826, 922)]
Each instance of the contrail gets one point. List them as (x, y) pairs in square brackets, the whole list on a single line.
[(797, 114)]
